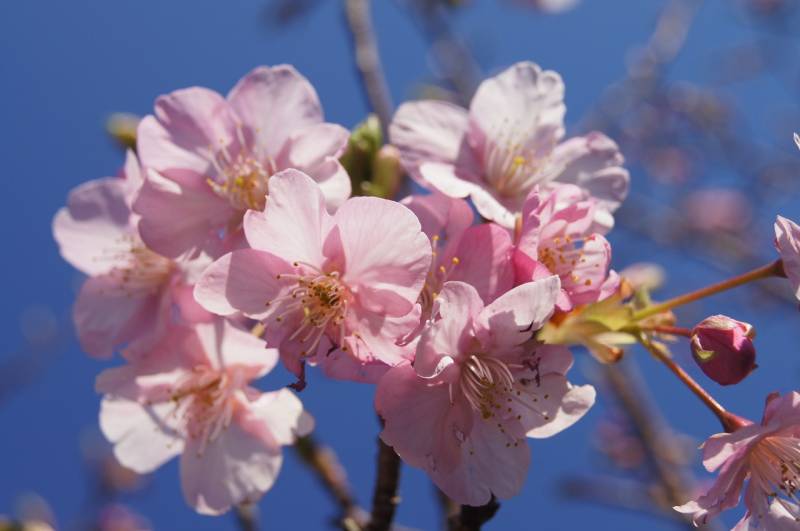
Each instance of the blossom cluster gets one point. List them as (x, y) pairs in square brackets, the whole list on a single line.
[(231, 241)]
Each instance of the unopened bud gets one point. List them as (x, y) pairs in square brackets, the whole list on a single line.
[(723, 348)]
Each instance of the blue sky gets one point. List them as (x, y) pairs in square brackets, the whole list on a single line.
[(65, 65)]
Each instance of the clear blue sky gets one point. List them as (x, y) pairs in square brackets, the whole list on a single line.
[(65, 65)]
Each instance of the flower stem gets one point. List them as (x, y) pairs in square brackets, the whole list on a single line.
[(730, 422), (770, 270), (671, 330)]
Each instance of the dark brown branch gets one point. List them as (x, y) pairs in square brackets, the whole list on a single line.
[(449, 509), (324, 463), (472, 518), (368, 61), (385, 497), (247, 517)]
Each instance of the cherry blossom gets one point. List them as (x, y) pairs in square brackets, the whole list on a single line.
[(479, 385), (767, 456), (131, 292), (558, 234), (479, 255), (723, 348), (321, 283), (190, 395), (508, 141), (787, 241), (209, 158)]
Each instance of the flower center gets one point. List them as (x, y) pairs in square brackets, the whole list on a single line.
[(484, 382), (513, 160), (320, 300), (144, 271), (562, 254), (437, 276), (204, 401), (775, 468), (241, 177)]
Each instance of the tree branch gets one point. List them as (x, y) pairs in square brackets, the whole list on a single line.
[(324, 463), (472, 518), (368, 61), (385, 498)]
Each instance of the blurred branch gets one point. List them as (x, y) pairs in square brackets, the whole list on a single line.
[(368, 61), (452, 56), (324, 463), (385, 497), (449, 509), (656, 437)]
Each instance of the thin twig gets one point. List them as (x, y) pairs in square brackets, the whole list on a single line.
[(385, 497), (449, 510), (324, 463), (453, 57), (656, 437), (368, 61)]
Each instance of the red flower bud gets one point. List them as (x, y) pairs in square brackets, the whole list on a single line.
[(723, 348)]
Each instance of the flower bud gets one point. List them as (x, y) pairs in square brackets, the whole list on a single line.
[(723, 348)]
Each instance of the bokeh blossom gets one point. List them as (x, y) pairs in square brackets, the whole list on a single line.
[(208, 158), (479, 385), (190, 395), (509, 141), (320, 283), (767, 456), (131, 292)]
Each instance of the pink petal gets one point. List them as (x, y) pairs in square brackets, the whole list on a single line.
[(386, 255), (277, 418), (180, 214), (557, 405), (334, 181), (451, 332), (107, 315), (144, 436), (522, 102), (158, 149), (787, 240), (294, 222), (378, 335), (94, 232), (720, 448), (227, 345), (428, 131), (723, 494), (594, 163), (515, 316), (241, 281), (311, 146), (490, 464), (275, 102), (421, 424), (237, 467), (340, 365), (440, 215), (484, 260)]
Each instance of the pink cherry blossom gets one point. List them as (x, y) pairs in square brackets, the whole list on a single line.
[(787, 241), (209, 158), (558, 235), (765, 455), (191, 396), (131, 291), (506, 143), (321, 283), (479, 255), (479, 385)]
